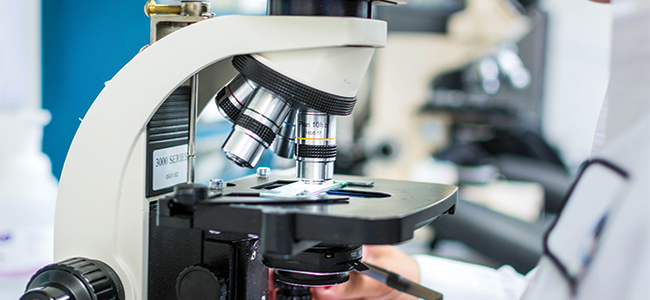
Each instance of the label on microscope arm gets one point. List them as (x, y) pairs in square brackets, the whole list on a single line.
[(169, 167)]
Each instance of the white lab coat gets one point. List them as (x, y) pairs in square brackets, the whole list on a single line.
[(620, 264)]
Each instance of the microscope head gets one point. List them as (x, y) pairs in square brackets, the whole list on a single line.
[(288, 101), (295, 117)]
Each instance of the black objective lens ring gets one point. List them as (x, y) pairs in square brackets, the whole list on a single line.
[(226, 106), (293, 91), (315, 151), (261, 130)]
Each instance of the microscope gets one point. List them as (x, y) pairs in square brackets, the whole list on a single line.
[(132, 224)]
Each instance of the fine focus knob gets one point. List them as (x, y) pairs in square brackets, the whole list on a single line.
[(75, 278)]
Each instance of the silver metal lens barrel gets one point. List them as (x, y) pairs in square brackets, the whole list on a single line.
[(315, 146), (284, 144), (255, 128), (234, 97)]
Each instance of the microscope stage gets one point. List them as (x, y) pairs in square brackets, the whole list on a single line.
[(386, 212)]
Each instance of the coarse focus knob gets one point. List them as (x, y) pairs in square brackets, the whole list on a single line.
[(75, 278)]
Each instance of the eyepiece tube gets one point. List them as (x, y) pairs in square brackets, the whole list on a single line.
[(315, 146), (255, 128)]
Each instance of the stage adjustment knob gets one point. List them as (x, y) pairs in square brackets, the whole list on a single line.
[(75, 278)]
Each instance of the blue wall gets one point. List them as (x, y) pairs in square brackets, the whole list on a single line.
[(84, 44)]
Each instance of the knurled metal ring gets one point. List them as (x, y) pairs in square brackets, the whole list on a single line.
[(261, 130), (293, 91), (315, 151), (228, 108)]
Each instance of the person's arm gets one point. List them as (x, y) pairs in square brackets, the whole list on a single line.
[(455, 280), (463, 281)]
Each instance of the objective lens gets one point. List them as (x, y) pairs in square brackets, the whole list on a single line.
[(284, 144), (233, 97), (315, 146), (255, 128)]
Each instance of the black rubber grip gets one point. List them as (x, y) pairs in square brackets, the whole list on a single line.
[(261, 130), (311, 151), (228, 108), (293, 91), (76, 278)]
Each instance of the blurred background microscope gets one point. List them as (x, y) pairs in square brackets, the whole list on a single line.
[(475, 93)]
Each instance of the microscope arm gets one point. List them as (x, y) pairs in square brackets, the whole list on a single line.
[(101, 209)]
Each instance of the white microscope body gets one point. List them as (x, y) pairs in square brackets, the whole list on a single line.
[(130, 222), (102, 211)]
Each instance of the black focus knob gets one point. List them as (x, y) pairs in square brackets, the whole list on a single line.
[(190, 194), (199, 283), (75, 278)]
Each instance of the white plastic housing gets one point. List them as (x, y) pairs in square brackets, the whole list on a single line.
[(336, 71), (102, 212)]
